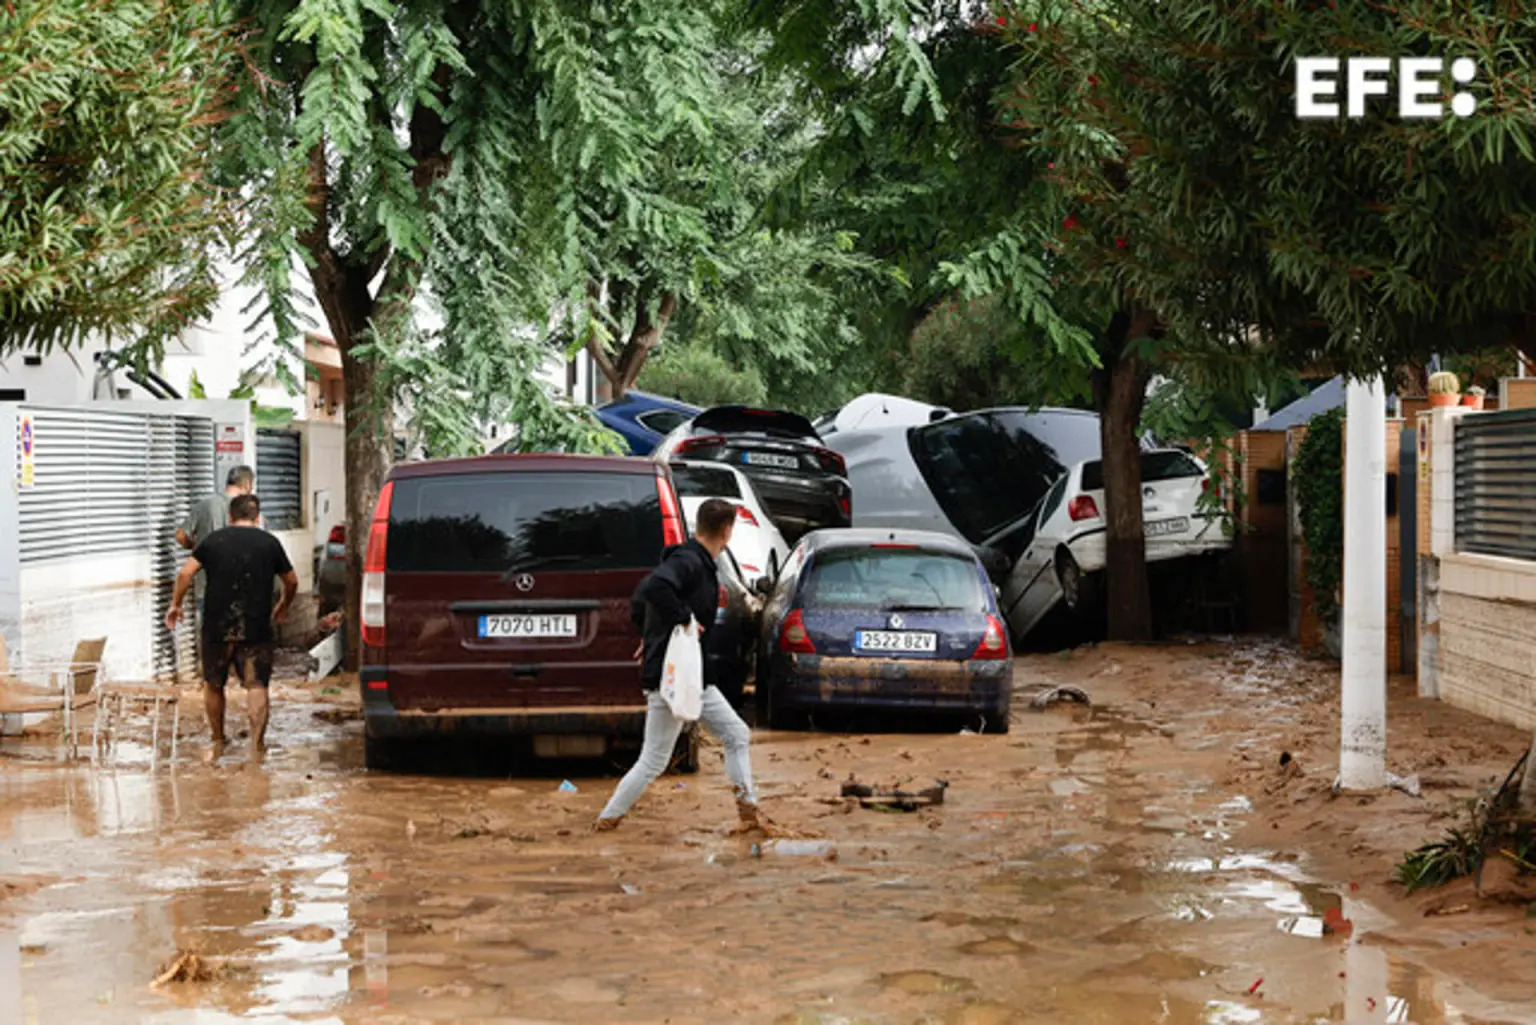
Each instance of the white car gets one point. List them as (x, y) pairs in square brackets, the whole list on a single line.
[(1064, 555), (756, 543)]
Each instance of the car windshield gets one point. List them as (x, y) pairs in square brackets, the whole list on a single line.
[(1155, 466), (893, 578), (987, 470), (504, 522), (704, 482)]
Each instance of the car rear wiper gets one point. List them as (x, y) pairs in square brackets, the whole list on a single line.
[(915, 607), (527, 564)]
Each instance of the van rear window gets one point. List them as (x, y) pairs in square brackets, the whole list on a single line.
[(496, 522), (987, 470)]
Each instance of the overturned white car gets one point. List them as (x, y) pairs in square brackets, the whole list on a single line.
[(1064, 555)]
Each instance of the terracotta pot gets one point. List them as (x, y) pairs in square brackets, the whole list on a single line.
[(1472, 401), (1445, 400)]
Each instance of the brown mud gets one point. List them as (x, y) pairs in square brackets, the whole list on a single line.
[(1143, 860)]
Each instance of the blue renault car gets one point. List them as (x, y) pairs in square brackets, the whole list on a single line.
[(642, 419), (881, 620)]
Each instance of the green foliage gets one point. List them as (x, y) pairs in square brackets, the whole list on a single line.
[(1186, 180), (975, 355), (1455, 855), (1318, 474), (108, 218), (700, 376)]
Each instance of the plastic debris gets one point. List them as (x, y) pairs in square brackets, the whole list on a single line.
[(1407, 784), (799, 848), (893, 799), (1063, 693), (1255, 987), (568, 787), (629, 889)]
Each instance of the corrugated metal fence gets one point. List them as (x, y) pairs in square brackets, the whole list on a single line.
[(279, 478), (1496, 484), (118, 482)]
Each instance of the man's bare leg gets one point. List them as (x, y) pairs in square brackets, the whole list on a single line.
[(259, 705), (213, 705)]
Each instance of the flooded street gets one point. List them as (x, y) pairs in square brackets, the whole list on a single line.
[(1141, 861)]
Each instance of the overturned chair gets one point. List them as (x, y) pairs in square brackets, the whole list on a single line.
[(43, 687)]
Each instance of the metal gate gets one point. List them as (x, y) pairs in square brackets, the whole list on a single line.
[(1496, 484), (119, 482), (279, 478)]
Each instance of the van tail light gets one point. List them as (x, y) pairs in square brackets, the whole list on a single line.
[(832, 462), (994, 643), (745, 515), (696, 444), (1083, 507), (846, 506), (372, 617), (672, 532), (338, 535), (793, 636)]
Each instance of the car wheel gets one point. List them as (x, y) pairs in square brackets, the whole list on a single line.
[(1079, 592), (381, 755)]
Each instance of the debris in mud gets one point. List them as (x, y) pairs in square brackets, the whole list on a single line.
[(796, 849), (1407, 784), (1064, 692), (893, 799), (337, 716), (187, 966), (567, 787), (314, 934), (1290, 769), (1456, 909)]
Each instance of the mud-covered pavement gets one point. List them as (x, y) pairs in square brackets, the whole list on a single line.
[(1145, 862)]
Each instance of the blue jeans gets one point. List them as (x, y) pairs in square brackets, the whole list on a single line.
[(662, 729)]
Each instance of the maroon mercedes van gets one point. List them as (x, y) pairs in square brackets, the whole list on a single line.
[(495, 599)]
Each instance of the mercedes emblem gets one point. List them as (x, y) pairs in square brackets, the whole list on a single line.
[(897, 622), (525, 581)]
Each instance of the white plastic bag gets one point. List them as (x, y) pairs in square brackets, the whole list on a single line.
[(682, 675)]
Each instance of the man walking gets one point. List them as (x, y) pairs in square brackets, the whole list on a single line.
[(241, 562), (208, 514), (683, 588)]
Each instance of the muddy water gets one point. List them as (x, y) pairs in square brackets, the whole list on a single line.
[(1083, 869)]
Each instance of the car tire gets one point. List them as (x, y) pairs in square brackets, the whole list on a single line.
[(1079, 590), (380, 754)]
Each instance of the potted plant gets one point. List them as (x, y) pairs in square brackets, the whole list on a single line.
[(1474, 397), (1444, 389)]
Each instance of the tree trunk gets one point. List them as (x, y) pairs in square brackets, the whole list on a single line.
[(369, 450), (1119, 392)]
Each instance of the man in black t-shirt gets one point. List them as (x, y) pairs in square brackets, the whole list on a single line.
[(241, 562)]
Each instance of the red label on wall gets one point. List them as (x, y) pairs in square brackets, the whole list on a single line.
[(229, 446)]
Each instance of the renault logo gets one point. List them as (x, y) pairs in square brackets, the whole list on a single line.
[(1148, 493), (525, 581), (897, 622)]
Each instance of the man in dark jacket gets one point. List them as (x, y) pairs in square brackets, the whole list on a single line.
[(684, 589)]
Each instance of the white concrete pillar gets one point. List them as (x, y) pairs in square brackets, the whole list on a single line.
[(1363, 747)]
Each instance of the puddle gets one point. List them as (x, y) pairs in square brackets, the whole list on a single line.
[(997, 946), (925, 983)]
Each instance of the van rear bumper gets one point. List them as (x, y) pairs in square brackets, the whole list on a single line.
[(381, 719)]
